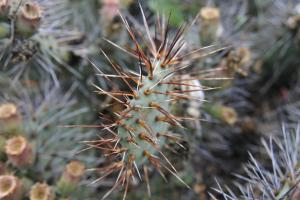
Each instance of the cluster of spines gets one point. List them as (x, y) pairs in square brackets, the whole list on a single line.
[(139, 133)]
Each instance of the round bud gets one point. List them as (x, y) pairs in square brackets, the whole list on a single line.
[(10, 118), (41, 191), (10, 188), (29, 19), (19, 151)]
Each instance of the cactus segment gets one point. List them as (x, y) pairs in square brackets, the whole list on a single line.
[(138, 135)]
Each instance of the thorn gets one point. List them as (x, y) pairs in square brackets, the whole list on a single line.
[(145, 137), (146, 176)]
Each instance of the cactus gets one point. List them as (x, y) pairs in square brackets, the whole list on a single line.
[(33, 40), (139, 133), (281, 180), (72, 174), (36, 152), (211, 27)]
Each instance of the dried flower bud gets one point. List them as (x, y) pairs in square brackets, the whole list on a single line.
[(10, 188), (41, 191), (29, 19), (211, 27), (74, 171), (10, 118), (70, 178), (19, 151), (244, 54), (236, 61), (7, 111), (210, 13), (223, 113), (293, 22), (229, 115)]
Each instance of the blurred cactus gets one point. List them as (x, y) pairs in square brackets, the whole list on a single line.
[(71, 176), (41, 191), (31, 40), (38, 151), (280, 180), (210, 25)]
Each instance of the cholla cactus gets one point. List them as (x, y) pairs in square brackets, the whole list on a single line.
[(38, 151), (139, 133), (34, 38), (210, 25), (281, 180)]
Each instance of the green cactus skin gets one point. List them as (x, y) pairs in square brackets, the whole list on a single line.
[(144, 118)]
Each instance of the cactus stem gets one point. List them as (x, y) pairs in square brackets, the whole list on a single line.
[(153, 93)]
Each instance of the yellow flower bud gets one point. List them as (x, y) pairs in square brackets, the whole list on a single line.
[(41, 191), (29, 19), (10, 188), (19, 151)]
